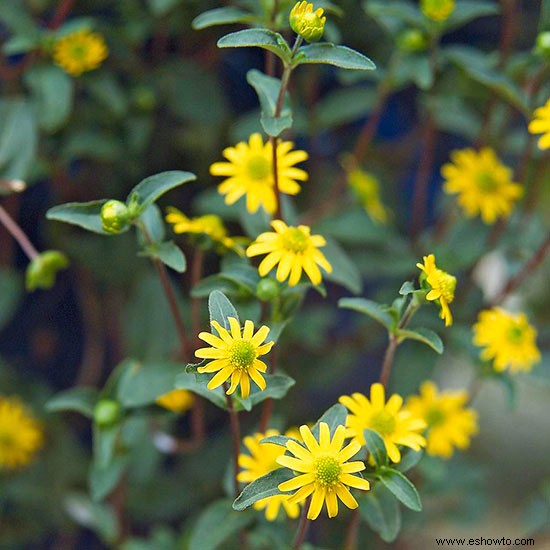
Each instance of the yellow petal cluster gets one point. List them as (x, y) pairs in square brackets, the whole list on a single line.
[(249, 173), (294, 249), (483, 184), (396, 426), (507, 339), (260, 460), (324, 470), (449, 422), (442, 287), (541, 125), (21, 435), (235, 355), (308, 22), (209, 224), (80, 51), (437, 10), (177, 400), (367, 188)]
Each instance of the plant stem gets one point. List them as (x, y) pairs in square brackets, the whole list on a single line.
[(528, 269), (61, 13), (18, 234), (303, 527), (170, 296), (353, 527), (236, 438)]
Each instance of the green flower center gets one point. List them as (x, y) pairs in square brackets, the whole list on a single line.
[(515, 334), (382, 422), (258, 167), (6, 439), (486, 182), (434, 417), (295, 239), (79, 51), (242, 354), (327, 471)]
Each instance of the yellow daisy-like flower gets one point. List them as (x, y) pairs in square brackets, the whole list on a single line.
[(250, 172), (442, 287), (450, 423), (80, 51), (177, 401), (210, 225), (541, 125), (395, 426), (21, 435), (437, 10), (262, 460), (235, 355), (367, 188), (294, 249), (325, 470), (508, 340), (483, 184)]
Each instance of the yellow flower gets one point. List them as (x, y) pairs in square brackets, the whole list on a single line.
[(262, 460), (80, 51), (483, 184), (209, 224), (395, 426), (450, 423), (438, 10), (309, 24), (442, 287), (325, 470), (20, 434), (508, 340), (250, 173), (177, 401), (294, 249), (541, 125), (367, 188), (235, 355)]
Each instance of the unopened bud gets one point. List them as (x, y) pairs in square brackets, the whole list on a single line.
[(107, 412), (437, 10), (412, 40), (542, 45), (267, 289), (114, 216), (309, 24), (42, 270)]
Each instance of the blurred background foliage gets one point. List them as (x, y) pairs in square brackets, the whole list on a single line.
[(167, 98)]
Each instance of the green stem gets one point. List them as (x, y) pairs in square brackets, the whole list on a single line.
[(236, 439), (303, 527)]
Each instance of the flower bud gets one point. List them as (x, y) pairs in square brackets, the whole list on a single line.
[(107, 412), (542, 45), (437, 10), (412, 40), (267, 289), (309, 24), (114, 216), (42, 270)]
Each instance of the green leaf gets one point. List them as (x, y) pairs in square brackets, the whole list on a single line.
[(407, 288), (152, 220), (281, 440), (242, 274), (424, 335), (409, 459), (267, 88), (261, 38), (379, 508), (376, 447), (83, 214), (390, 13), (220, 309), (103, 479), (10, 294), (468, 10), (220, 16), (147, 191), (168, 253), (277, 387), (334, 417), (401, 488), (197, 383), (344, 270), (141, 383), (162, 7), (342, 106), (81, 400), (206, 286), (263, 487), (216, 524), (375, 310), (52, 92), (105, 439), (330, 54)]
